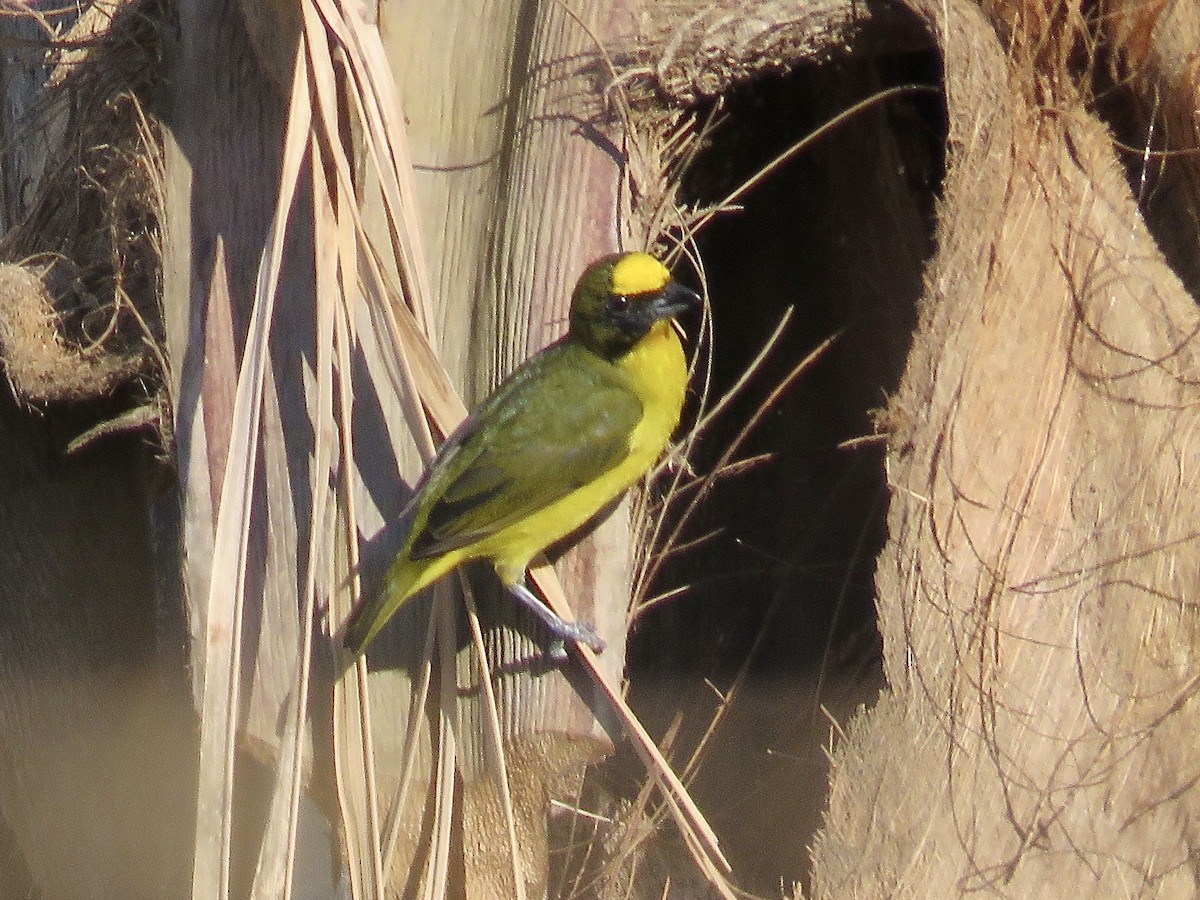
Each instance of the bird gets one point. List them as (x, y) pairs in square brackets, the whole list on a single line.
[(566, 433)]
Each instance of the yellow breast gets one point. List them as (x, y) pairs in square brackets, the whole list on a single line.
[(657, 372)]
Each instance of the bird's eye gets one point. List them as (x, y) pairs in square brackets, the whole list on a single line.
[(620, 300)]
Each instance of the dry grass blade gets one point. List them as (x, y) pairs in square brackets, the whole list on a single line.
[(437, 880), (277, 855), (373, 95), (214, 789), (424, 390), (496, 743), (804, 143), (651, 535), (355, 767), (408, 755), (727, 455), (222, 682), (755, 365), (416, 371), (354, 764), (702, 487), (687, 815), (367, 852), (384, 139), (666, 547), (419, 378)]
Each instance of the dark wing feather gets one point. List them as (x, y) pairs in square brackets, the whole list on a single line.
[(558, 423)]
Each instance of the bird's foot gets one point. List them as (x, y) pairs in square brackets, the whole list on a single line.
[(561, 630), (579, 632)]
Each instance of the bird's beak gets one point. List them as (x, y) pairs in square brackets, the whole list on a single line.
[(674, 300)]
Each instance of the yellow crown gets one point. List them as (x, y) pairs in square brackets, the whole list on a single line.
[(639, 273)]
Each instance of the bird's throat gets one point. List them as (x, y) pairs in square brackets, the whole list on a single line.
[(657, 370)]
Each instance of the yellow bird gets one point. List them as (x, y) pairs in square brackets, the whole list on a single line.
[(564, 435)]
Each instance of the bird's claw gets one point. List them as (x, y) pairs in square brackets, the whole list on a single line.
[(561, 631), (578, 632), (583, 633)]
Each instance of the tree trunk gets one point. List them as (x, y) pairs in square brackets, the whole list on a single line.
[(97, 785)]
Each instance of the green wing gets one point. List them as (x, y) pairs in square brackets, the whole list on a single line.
[(558, 423)]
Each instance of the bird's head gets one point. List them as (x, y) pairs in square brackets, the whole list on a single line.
[(620, 297)]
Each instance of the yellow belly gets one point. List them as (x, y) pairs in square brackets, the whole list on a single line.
[(657, 371)]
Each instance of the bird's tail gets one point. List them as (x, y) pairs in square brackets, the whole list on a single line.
[(404, 578)]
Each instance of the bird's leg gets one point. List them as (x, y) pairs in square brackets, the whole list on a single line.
[(560, 629)]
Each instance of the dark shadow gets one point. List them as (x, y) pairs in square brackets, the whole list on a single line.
[(782, 555)]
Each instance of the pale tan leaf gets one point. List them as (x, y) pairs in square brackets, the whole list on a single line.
[(220, 702), (276, 863), (437, 873), (408, 755), (417, 373), (496, 743)]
